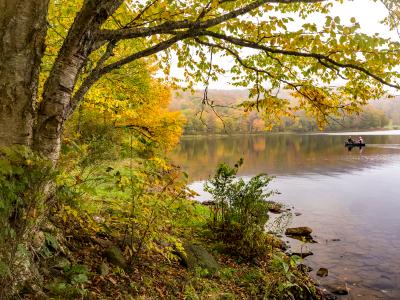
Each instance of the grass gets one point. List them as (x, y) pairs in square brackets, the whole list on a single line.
[(155, 275)]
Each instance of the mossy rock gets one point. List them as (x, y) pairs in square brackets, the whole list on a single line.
[(114, 255), (61, 263), (196, 256)]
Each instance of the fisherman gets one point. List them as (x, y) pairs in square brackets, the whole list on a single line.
[(350, 140), (360, 140)]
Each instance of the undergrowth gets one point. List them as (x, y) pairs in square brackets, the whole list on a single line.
[(135, 201)]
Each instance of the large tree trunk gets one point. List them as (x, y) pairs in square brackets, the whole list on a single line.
[(22, 44), (59, 87)]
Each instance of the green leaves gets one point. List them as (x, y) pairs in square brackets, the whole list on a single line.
[(240, 209)]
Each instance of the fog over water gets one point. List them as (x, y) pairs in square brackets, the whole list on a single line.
[(352, 195)]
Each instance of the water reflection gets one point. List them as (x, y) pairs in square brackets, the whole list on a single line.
[(351, 196), (283, 154)]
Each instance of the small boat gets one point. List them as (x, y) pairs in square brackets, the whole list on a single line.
[(354, 144)]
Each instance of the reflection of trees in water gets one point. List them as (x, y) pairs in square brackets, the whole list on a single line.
[(277, 154)]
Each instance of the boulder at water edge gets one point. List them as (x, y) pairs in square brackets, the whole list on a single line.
[(299, 231), (196, 256)]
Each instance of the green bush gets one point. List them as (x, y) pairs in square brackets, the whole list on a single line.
[(240, 210)]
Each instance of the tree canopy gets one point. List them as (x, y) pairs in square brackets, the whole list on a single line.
[(303, 60), (330, 67)]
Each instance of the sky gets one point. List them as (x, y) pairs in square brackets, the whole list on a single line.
[(367, 12)]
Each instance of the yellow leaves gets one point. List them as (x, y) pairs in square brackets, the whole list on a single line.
[(165, 15), (318, 103), (123, 182), (161, 163), (214, 4), (78, 219), (70, 211)]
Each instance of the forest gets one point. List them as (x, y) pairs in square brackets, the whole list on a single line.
[(228, 117), (91, 206)]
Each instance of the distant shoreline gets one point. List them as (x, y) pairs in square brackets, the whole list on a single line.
[(344, 132)]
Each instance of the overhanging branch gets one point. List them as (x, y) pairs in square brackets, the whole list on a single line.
[(295, 86), (97, 73), (320, 57), (170, 26)]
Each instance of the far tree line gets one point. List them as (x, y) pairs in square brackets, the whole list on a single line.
[(228, 117)]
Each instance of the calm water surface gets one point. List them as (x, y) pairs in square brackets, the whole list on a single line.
[(353, 196)]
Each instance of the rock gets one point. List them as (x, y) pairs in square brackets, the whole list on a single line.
[(304, 268), (61, 263), (103, 269), (197, 256), (338, 290), (275, 207), (297, 214), (298, 231), (302, 254), (322, 272), (115, 256)]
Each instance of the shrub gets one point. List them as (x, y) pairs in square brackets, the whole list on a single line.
[(240, 210)]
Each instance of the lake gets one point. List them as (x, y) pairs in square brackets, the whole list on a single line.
[(350, 196)]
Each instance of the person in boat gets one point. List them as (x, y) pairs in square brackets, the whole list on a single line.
[(360, 140), (350, 140)]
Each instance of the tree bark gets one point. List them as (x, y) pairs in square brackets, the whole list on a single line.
[(55, 106), (22, 44)]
